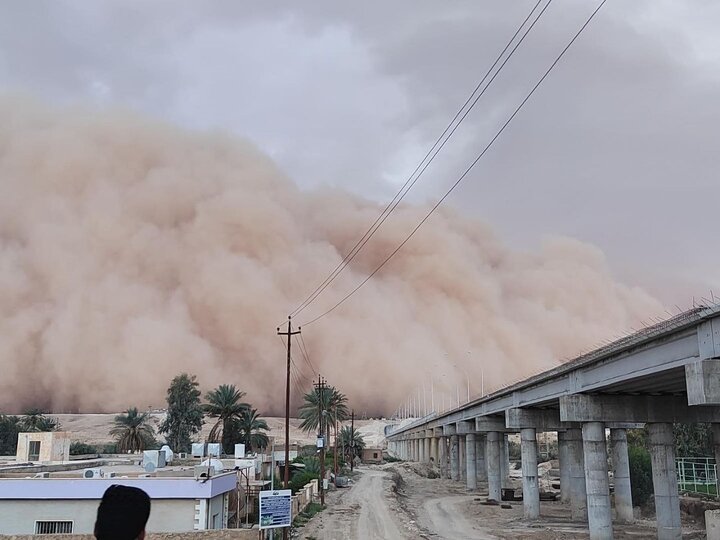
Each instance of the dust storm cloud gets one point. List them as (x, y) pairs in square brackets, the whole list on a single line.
[(131, 250)]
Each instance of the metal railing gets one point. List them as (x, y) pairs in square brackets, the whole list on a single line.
[(698, 475)]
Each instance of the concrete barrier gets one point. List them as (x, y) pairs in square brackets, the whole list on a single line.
[(712, 524)]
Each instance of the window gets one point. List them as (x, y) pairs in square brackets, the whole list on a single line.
[(34, 451), (374, 455), (53, 527)]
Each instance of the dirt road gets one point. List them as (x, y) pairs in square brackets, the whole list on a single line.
[(443, 518), (402, 501), (367, 510)]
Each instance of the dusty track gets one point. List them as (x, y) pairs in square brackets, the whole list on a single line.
[(367, 510), (382, 505)]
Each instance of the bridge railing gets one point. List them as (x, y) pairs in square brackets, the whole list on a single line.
[(698, 475)]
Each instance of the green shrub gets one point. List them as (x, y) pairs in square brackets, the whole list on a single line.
[(514, 450), (299, 479), (81, 449), (641, 483)]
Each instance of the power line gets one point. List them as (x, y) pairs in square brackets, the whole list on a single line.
[(306, 356), (434, 150), (469, 168)]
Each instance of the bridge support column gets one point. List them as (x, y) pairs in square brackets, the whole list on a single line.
[(461, 458), (480, 467), (471, 462), (442, 457), (531, 493), (416, 450), (454, 458), (576, 470), (492, 459), (426, 450), (667, 501), (621, 475), (564, 458), (505, 460), (434, 450), (596, 481)]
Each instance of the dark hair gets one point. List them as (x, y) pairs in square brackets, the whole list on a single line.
[(122, 514)]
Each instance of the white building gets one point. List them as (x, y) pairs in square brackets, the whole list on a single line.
[(69, 505), (43, 447)]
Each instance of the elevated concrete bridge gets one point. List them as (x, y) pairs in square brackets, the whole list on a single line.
[(666, 373)]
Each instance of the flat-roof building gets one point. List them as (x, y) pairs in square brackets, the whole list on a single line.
[(69, 505)]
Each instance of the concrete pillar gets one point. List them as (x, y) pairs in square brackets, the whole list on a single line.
[(712, 524), (492, 460), (505, 460), (461, 458), (531, 491), (416, 450), (434, 450), (454, 458), (442, 457), (480, 467), (716, 443), (564, 459), (596, 481), (471, 462), (667, 502), (621, 475), (576, 466), (426, 450)]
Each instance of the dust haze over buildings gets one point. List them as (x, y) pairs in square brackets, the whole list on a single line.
[(132, 250)]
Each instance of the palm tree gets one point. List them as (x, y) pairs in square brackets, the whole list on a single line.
[(133, 431), (249, 428), (351, 440), (333, 406), (224, 404), (35, 420)]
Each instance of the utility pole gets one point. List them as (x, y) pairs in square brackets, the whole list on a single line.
[(286, 479), (335, 454), (320, 388), (352, 440)]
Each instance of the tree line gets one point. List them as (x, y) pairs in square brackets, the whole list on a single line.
[(235, 421)]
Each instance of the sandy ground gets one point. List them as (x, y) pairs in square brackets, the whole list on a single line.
[(395, 502), (95, 428)]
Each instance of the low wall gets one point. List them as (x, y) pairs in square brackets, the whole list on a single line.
[(224, 534)]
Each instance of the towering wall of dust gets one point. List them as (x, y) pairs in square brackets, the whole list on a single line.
[(131, 251)]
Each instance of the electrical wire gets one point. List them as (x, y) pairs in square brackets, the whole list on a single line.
[(467, 170), (303, 349), (436, 147)]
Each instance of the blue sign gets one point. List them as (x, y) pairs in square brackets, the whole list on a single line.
[(275, 509)]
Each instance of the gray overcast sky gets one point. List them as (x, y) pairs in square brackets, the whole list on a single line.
[(618, 148)]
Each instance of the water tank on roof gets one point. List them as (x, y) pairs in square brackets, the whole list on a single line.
[(169, 454)]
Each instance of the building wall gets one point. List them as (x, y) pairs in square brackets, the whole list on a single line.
[(372, 455), (217, 513), (54, 446), (19, 516)]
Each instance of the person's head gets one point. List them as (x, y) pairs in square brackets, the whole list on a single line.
[(122, 514)]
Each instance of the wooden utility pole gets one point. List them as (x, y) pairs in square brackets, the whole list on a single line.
[(352, 440), (286, 477), (321, 434)]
